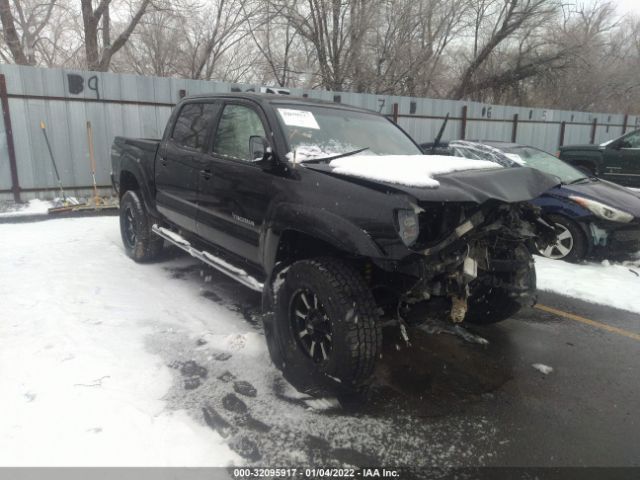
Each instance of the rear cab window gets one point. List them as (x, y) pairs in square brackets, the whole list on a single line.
[(193, 125)]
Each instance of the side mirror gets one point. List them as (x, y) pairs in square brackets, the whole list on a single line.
[(258, 148)]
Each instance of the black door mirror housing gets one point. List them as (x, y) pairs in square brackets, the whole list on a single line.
[(259, 148)]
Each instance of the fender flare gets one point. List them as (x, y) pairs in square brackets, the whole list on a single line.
[(145, 182), (318, 223)]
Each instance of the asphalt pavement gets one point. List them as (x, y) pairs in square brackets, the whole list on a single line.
[(444, 401)]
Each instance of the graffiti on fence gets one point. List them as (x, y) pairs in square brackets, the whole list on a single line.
[(76, 84)]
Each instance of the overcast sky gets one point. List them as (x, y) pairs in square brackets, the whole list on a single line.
[(627, 6)]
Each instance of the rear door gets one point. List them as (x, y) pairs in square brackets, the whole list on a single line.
[(621, 160), (630, 161), (179, 163), (235, 191)]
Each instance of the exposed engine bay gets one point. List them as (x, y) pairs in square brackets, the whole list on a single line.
[(481, 268)]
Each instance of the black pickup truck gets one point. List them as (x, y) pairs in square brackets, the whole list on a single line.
[(333, 214), (617, 160)]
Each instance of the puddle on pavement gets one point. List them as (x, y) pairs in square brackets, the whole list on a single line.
[(436, 374)]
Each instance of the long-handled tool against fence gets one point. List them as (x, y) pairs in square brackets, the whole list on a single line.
[(98, 202), (67, 203), (53, 160), (92, 159)]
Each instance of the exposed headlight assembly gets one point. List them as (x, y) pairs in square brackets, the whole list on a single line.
[(408, 227), (603, 211)]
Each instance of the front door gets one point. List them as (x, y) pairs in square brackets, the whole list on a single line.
[(178, 163), (622, 163), (235, 192)]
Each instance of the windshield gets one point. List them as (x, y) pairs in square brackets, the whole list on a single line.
[(541, 160), (318, 132), (479, 151)]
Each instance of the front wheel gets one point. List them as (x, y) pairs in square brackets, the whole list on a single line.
[(325, 335), (570, 244), (140, 243)]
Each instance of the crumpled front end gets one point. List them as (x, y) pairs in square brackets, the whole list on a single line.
[(470, 263)]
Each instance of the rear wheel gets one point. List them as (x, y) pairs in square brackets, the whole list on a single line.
[(140, 243), (325, 335), (570, 244)]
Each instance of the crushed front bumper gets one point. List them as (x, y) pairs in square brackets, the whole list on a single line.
[(615, 239)]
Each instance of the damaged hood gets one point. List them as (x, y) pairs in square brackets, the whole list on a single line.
[(509, 185)]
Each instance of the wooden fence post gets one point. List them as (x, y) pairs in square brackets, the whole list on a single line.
[(463, 132), (6, 115), (563, 127), (514, 130)]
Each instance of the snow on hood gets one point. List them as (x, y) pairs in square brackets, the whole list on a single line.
[(410, 170)]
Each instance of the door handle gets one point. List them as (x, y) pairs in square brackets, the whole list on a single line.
[(206, 174)]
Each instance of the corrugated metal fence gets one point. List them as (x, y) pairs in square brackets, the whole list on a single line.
[(135, 106)]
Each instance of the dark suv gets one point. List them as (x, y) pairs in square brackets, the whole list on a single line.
[(332, 213)]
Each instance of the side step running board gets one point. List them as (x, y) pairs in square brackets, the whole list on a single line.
[(215, 262)]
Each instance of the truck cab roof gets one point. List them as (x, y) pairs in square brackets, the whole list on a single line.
[(272, 99)]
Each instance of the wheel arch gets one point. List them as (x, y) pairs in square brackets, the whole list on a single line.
[(298, 232), (133, 178)]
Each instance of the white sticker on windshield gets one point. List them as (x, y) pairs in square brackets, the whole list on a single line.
[(298, 118)]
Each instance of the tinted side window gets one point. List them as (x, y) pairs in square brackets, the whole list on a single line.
[(633, 140), (194, 122), (237, 125)]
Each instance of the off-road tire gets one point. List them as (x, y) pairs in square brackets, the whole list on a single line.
[(140, 243), (353, 319), (579, 250)]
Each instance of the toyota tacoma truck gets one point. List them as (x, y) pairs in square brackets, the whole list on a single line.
[(334, 215)]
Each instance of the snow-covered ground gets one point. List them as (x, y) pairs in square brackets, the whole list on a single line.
[(106, 362), (78, 385), (616, 285), (32, 207)]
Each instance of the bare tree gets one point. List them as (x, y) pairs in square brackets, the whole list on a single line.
[(211, 33), (274, 38), (98, 56), (22, 25), (156, 47), (497, 21), (336, 30), (410, 42), (604, 66)]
